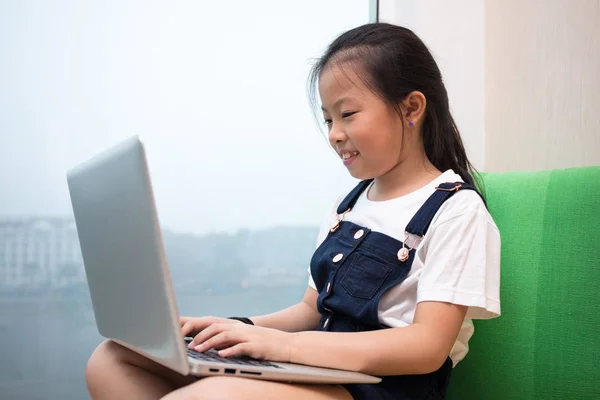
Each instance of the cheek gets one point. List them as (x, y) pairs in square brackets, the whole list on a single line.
[(364, 133), (390, 134), (376, 138)]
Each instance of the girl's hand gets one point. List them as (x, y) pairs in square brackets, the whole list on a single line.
[(191, 326), (244, 340)]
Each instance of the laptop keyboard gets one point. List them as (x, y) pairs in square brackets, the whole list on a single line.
[(212, 355)]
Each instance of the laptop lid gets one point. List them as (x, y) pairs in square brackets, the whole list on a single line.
[(123, 253)]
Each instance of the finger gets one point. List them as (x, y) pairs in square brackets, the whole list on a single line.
[(205, 334), (188, 329), (196, 325), (184, 320), (240, 349), (221, 340)]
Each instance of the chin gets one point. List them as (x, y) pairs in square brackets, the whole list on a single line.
[(360, 175)]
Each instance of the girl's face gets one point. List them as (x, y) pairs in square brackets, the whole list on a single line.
[(365, 131)]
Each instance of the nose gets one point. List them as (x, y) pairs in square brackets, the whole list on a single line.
[(336, 134)]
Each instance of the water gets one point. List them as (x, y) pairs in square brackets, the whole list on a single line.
[(45, 342)]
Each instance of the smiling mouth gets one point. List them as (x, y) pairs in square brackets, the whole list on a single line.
[(346, 156), (349, 157)]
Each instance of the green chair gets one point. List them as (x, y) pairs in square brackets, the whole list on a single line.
[(546, 343)]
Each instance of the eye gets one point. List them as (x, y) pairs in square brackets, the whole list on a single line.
[(327, 121), (348, 114)]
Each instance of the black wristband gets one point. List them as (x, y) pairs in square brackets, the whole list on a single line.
[(243, 319)]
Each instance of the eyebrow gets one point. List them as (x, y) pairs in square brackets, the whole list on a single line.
[(338, 102)]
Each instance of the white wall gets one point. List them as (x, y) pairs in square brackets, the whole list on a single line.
[(523, 76), (453, 31), (542, 87)]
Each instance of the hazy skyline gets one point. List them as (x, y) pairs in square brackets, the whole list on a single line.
[(218, 93)]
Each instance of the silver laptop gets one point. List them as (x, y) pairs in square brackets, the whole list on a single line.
[(129, 278)]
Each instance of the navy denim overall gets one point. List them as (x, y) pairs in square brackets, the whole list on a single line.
[(353, 268)]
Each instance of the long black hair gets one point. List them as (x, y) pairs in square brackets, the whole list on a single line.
[(395, 62)]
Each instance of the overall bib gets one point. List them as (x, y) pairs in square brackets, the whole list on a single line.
[(354, 267)]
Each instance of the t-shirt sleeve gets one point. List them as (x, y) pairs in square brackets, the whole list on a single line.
[(320, 239), (323, 232), (462, 263)]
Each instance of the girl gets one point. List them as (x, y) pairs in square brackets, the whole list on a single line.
[(405, 261)]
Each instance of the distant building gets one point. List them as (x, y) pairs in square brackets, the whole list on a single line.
[(35, 252)]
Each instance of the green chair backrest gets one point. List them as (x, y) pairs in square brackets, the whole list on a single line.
[(546, 343)]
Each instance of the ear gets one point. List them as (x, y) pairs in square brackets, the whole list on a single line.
[(414, 105)]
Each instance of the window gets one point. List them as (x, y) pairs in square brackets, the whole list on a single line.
[(241, 173)]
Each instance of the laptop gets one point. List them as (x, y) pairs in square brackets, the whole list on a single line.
[(129, 278)]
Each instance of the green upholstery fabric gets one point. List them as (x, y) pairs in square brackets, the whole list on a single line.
[(546, 343)]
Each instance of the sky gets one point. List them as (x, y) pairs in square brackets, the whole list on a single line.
[(216, 89)]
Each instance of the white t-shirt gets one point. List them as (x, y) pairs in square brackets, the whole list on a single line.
[(458, 260)]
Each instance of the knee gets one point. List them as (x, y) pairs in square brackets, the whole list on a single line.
[(101, 361)]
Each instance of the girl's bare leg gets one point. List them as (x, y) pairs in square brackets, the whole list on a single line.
[(229, 388), (115, 372)]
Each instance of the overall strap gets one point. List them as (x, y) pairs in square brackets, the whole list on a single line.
[(353, 196), (419, 224)]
